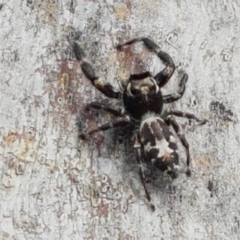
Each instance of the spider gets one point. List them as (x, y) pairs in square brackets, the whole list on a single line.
[(143, 106)]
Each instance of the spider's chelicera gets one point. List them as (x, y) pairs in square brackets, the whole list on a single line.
[(143, 106)]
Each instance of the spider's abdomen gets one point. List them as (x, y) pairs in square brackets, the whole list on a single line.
[(159, 145)]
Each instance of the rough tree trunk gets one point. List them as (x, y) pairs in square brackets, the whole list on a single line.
[(54, 186)]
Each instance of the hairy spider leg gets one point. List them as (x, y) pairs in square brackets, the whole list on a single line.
[(119, 112), (89, 72), (181, 136), (181, 89), (186, 115), (163, 76), (176, 127), (140, 76), (116, 123), (138, 155)]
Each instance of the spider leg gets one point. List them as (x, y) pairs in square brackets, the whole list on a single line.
[(138, 155), (113, 110), (186, 115), (162, 77), (183, 140), (181, 89), (117, 123), (89, 72), (140, 76)]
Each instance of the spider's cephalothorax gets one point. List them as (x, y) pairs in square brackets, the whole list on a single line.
[(142, 95), (143, 106)]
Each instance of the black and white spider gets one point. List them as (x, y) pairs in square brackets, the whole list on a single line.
[(143, 106)]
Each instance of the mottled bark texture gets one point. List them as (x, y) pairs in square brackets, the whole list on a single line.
[(53, 186)]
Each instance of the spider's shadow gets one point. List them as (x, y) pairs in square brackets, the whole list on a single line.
[(120, 141), (157, 182)]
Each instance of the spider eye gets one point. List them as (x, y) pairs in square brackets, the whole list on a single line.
[(153, 88), (135, 91)]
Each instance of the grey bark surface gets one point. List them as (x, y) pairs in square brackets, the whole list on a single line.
[(53, 186)]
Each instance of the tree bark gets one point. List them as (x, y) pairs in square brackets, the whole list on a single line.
[(55, 186)]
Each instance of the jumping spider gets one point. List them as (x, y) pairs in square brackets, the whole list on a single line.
[(143, 106)]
